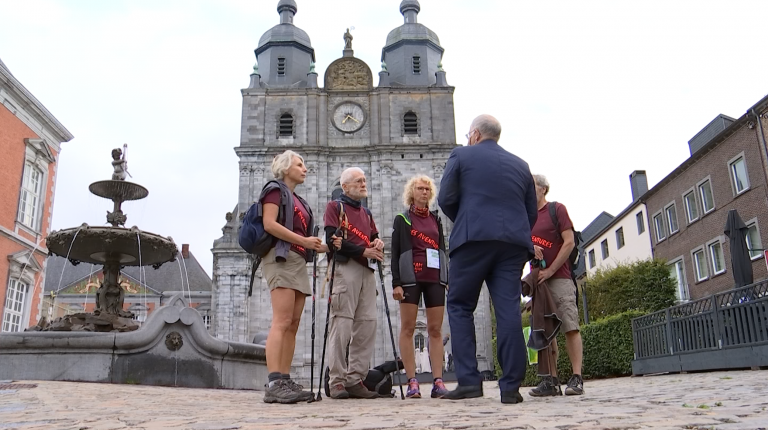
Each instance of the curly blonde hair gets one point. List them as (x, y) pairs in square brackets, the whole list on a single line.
[(410, 187)]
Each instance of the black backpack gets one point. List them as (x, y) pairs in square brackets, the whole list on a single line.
[(573, 258), (252, 237)]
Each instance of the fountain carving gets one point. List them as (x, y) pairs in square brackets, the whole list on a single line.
[(113, 247)]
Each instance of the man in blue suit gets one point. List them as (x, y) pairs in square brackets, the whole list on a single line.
[(490, 196)]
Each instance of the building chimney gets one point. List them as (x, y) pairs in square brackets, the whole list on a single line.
[(638, 181), (185, 251)]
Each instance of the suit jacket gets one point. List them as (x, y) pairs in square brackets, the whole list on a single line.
[(489, 194)]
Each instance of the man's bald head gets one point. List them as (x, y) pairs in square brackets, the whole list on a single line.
[(488, 126)]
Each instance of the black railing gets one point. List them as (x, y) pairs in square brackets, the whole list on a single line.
[(732, 319)]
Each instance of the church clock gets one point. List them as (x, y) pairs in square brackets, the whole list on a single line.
[(349, 117)]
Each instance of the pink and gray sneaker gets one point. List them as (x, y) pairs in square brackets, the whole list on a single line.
[(438, 389), (413, 389)]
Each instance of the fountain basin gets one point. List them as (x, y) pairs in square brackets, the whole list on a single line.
[(99, 245), (118, 190), (172, 348)]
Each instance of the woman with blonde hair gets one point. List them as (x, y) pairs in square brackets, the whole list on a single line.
[(285, 270), (420, 269)]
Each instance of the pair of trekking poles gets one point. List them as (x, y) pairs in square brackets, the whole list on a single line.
[(319, 397)]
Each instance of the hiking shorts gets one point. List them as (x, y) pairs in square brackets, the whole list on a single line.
[(563, 293), (291, 273), (434, 294)]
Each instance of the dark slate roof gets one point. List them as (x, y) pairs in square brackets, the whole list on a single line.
[(167, 278), (587, 235), (596, 226)]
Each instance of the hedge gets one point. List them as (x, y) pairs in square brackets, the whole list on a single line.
[(608, 350), (641, 286)]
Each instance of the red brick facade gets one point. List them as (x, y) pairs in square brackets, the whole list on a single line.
[(30, 138), (742, 138), (13, 149)]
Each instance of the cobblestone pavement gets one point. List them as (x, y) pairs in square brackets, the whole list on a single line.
[(718, 400)]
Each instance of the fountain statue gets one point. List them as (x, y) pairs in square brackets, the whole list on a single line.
[(113, 247)]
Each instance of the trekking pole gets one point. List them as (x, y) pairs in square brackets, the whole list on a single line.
[(314, 294), (327, 318), (391, 332)]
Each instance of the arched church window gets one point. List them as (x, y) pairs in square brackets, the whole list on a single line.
[(410, 123), (416, 65), (285, 128), (280, 66)]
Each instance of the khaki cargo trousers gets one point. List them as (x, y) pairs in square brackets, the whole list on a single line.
[(353, 323)]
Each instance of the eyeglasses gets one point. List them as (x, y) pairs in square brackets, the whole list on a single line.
[(469, 134)]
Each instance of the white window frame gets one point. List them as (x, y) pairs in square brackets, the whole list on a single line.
[(753, 223), (732, 174), (668, 219), (29, 212), (697, 274), (640, 220), (37, 155), (592, 258), (687, 206), (683, 293), (620, 243), (605, 251), (699, 185), (660, 235), (15, 306), (710, 248)]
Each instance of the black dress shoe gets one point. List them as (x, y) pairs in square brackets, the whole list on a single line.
[(511, 397), (465, 392)]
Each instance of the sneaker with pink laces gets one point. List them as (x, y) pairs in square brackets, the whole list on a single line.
[(438, 389), (413, 389)]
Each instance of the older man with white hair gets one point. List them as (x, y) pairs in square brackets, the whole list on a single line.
[(489, 195), (353, 302)]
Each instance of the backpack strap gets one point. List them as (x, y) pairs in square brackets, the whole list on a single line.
[(256, 264), (343, 220), (552, 206), (406, 218)]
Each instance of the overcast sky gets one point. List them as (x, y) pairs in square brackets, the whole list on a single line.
[(586, 91)]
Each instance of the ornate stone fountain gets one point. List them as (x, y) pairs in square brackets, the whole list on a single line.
[(113, 247), (172, 347)]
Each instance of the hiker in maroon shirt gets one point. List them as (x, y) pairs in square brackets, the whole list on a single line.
[(554, 247), (353, 302), (419, 268), (286, 274)]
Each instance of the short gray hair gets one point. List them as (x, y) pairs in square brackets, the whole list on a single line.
[(488, 126), (541, 181), (346, 175), (283, 162)]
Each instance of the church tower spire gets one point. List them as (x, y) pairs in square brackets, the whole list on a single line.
[(285, 52)]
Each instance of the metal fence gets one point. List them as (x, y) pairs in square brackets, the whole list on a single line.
[(725, 330)]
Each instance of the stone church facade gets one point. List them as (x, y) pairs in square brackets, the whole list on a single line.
[(402, 127)]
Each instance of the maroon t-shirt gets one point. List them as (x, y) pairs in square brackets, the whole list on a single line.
[(546, 236), (358, 225), (300, 218), (424, 235)]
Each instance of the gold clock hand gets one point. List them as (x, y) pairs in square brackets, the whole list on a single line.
[(353, 119)]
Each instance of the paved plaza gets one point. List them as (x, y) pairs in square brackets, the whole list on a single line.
[(717, 400)]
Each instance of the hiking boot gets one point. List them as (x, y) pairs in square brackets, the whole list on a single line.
[(299, 389), (279, 392), (359, 391), (438, 389), (575, 386), (548, 386), (413, 389), (339, 392)]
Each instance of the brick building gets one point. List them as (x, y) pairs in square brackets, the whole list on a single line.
[(71, 289), (30, 142), (687, 210)]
